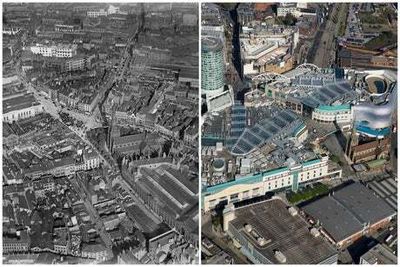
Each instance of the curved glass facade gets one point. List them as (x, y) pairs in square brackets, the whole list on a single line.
[(212, 65)]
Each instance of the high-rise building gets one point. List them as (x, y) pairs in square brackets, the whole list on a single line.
[(212, 65)]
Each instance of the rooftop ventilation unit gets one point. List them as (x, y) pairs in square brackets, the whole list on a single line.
[(248, 228), (280, 256), (314, 232), (293, 211), (261, 241)]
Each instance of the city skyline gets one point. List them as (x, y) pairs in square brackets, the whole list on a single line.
[(198, 133), (100, 123), (299, 156)]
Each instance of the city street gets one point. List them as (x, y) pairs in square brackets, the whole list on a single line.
[(93, 213), (325, 52)]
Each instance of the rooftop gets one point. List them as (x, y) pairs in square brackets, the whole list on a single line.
[(345, 212), (334, 108), (379, 255), (18, 103), (254, 178), (210, 44), (283, 232), (281, 122)]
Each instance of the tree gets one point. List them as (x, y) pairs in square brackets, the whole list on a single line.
[(289, 20)]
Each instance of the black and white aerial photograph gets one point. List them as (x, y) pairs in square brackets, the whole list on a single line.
[(100, 133)]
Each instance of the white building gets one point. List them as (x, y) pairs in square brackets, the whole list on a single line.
[(62, 51), (258, 184), (220, 101), (339, 114), (297, 10), (11, 31), (263, 45), (97, 13), (20, 107), (286, 8)]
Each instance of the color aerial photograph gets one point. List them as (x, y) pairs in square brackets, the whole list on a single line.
[(299, 133), (100, 133)]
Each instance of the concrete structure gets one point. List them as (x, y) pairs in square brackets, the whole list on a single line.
[(295, 9), (79, 63), (355, 208), (245, 13), (20, 243), (96, 251), (97, 13), (220, 101), (339, 114), (20, 107), (266, 48), (271, 180), (286, 8), (137, 143), (379, 254), (66, 28), (212, 66), (267, 233), (306, 87), (63, 51)]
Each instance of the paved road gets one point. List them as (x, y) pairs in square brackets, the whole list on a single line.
[(326, 49), (334, 146), (53, 110), (93, 213), (47, 103), (393, 152), (89, 121)]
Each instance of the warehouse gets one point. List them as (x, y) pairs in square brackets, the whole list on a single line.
[(349, 213)]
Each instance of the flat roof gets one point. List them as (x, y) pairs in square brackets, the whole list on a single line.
[(345, 212), (282, 231), (18, 103), (209, 44), (380, 254)]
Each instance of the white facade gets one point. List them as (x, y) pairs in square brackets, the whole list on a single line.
[(65, 28), (339, 115), (97, 13), (269, 181), (62, 51), (24, 113), (248, 69), (297, 10), (220, 100), (282, 11), (88, 163), (62, 249), (11, 31)]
